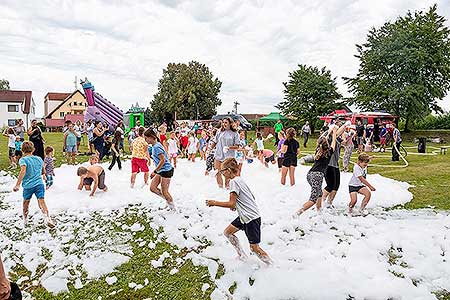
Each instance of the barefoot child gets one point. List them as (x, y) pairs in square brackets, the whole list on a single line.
[(192, 147), (359, 185), (30, 176), (173, 148), (92, 174), (266, 156), (49, 167), (9, 133), (139, 157), (249, 220), (18, 152), (70, 144)]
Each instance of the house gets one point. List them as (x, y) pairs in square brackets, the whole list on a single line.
[(52, 100), (16, 105), (72, 108)]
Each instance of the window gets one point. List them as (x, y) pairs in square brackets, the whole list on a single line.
[(13, 108), (11, 122), (61, 114)]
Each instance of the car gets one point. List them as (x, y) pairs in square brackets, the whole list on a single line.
[(243, 121)]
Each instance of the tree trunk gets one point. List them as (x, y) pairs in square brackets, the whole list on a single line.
[(407, 123)]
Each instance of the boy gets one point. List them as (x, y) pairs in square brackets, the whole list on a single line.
[(139, 157), (18, 152), (359, 185), (31, 172), (92, 174), (70, 143), (266, 156), (49, 167), (249, 220)]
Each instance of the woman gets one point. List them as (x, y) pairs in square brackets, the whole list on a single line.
[(35, 136), (115, 149), (290, 152), (98, 139), (163, 171), (227, 142)]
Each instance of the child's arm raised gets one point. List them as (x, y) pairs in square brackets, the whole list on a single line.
[(23, 170), (366, 183), (227, 204)]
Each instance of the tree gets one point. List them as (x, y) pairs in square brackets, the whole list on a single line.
[(404, 66), (309, 93), (4, 84), (186, 91)]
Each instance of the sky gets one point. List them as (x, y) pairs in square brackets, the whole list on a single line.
[(123, 46)]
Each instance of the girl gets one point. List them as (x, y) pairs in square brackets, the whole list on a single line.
[(240, 153), (202, 145), (115, 149), (259, 142), (290, 151), (70, 144), (173, 148), (49, 167), (211, 149), (9, 133), (280, 156), (163, 171), (317, 172), (248, 220), (359, 185), (192, 146)]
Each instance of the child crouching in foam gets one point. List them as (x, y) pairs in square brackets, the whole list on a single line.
[(249, 220), (92, 174), (359, 185)]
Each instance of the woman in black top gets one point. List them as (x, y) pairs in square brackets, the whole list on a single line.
[(35, 136), (115, 149), (290, 149), (316, 173)]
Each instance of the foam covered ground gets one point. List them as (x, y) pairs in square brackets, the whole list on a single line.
[(396, 254)]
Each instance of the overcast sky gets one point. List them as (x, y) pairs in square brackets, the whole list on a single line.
[(122, 46)]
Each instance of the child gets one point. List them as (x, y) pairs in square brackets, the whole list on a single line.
[(368, 146), (70, 143), (9, 133), (192, 146), (94, 159), (290, 151), (317, 172), (139, 157), (92, 174), (359, 184), (202, 145), (30, 176), (211, 150), (115, 149), (383, 136), (266, 156), (259, 142), (173, 149), (49, 167), (280, 156), (18, 152), (107, 146), (347, 143), (249, 220)]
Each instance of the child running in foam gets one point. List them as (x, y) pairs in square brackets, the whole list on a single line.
[(359, 185), (49, 166), (266, 156), (173, 148), (92, 174), (140, 157), (30, 176), (192, 146), (249, 220), (317, 172)]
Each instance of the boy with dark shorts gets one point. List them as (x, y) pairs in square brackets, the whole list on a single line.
[(249, 220), (92, 174)]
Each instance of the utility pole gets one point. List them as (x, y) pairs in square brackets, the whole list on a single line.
[(235, 107), (75, 82)]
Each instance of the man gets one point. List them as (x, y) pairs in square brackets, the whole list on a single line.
[(397, 142), (360, 131), (306, 131), (278, 128)]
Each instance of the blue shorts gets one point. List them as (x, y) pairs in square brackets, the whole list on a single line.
[(38, 190), (71, 149)]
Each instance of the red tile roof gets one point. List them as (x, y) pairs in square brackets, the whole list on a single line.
[(24, 97), (56, 96)]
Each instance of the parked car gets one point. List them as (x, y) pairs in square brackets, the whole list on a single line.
[(243, 121)]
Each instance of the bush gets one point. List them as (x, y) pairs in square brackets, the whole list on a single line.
[(434, 122)]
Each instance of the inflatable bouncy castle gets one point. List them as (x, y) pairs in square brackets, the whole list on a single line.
[(100, 109)]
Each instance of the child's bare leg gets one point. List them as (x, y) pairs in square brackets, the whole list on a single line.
[(68, 158), (146, 177), (25, 205), (74, 155), (308, 204), (133, 179), (165, 183), (219, 178), (284, 171), (292, 175), (174, 162), (325, 194), (260, 253), (154, 185), (367, 195), (87, 187), (319, 203), (229, 234), (331, 197), (43, 207), (353, 200)]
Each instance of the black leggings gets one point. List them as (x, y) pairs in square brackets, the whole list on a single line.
[(333, 179), (114, 159)]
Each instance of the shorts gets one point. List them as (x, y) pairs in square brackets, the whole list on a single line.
[(71, 149), (270, 158), (252, 229), (18, 153), (166, 174), (360, 140), (315, 180), (355, 189), (11, 151), (289, 162), (280, 161), (173, 155), (49, 180), (78, 139), (38, 190), (101, 180), (192, 151), (138, 165), (333, 179)]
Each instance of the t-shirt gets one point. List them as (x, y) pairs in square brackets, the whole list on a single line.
[(193, 141), (396, 133), (267, 153), (11, 141), (139, 148), (18, 145), (246, 204), (383, 132), (306, 129), (90, 132), (77, 130), (292, 148), (49, 165), (334, 161), (20, 131), (71, 139), (33, 175), (173, 147), (158, 149), (321, 164), (226, 138), (278, 127), (359, 130), (259, 144), (280, 144), (357, 171)]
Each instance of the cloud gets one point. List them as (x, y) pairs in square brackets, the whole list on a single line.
[(122, 46)]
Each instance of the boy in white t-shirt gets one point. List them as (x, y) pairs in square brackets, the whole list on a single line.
[(359, 185), (249, 220)]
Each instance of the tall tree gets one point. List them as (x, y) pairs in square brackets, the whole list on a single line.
[(404, 66), (4, 84), (309, 93), (187, 91)]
